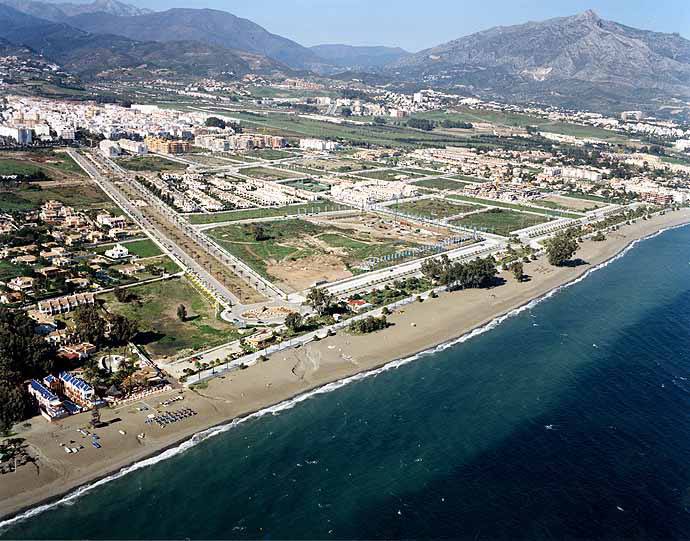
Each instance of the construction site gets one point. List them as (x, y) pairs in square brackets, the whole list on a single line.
[(295, 254)]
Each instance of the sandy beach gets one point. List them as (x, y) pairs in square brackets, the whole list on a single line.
[(417, 327)]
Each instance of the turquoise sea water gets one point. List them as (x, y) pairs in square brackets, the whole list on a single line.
[(570, 419)]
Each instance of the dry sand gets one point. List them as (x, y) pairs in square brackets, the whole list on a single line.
[(285, 375)]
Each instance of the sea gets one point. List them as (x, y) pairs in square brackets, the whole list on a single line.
[(568, 419)]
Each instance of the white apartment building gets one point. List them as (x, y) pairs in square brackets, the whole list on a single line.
[(682, 145), (110, 149), (580, 173), (365, 193), (133, 147), (318, 145), (23, 136), (117, 252)]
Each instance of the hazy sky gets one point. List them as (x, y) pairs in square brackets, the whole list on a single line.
[(417, 24)]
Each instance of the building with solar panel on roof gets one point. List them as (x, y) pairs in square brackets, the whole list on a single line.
[(77, 390), (49, 404)]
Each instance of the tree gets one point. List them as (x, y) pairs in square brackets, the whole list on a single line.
[(215, 122), (90, 325), (122, 295), (320, 300), (518, 270), (346, 111), (182, 312), (473, 274), (293, 321), (259, 233), (368, 325), (561, 248), (122, 329), (23, 353), (12, 405), (421, 124)]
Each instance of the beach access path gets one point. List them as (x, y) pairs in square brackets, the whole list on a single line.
[(286, 374)]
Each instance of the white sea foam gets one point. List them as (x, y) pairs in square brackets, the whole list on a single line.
[(70, 498)]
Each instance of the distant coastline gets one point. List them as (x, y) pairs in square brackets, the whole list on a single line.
[(292, 376)]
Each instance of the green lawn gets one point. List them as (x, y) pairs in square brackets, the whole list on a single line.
[(425, 172), (143, 248), (440, 183), (514, 206), (589, 197), (10, 270), (269, 154), (28, 196), (469, 179), (558, 206), (62, 161), (387, 136), (238, 157), (508, 119), (150, 163), (434, 208), (249, 214), (165, 263), (155, 308), (387, 174), (676, 160), (18, 167), (47, 161), (139, 248), (500, 221), (240, 241), (305, 170), (308, 184), (267, 173), (291, 239), (359, 250)]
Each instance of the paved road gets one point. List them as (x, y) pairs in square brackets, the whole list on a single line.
[(99, 172), (411, 268), (238, 266)]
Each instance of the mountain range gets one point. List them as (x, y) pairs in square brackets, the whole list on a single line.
[(91, 55), (566, 60), (560, 59), (209, 26), (59, 12)]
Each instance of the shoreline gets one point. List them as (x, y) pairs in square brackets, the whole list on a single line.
[(291, 376)]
